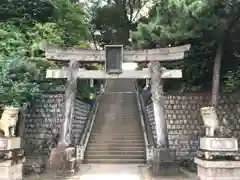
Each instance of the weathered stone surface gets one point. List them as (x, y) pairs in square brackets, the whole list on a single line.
[(165, 168), (182, 114), (164, 162), (12, 172), (43, 121), (220, 170), (10, 143), (184, 121)]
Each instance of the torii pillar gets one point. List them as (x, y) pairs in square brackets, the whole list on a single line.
[(164, 158)]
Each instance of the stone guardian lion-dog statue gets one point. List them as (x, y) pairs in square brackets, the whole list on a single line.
[(8, 121), (211, 121)]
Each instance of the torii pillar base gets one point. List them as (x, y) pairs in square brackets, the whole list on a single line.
[(62, 160), (164, 162)]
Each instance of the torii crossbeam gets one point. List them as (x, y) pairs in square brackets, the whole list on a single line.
[(90, 56), (161, 54), (98, 74)]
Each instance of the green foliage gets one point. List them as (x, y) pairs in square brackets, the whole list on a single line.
[(11, 40), (49, 31), (232, 80), (170, 22), (115, 19), (31, 9), (18, 81), (72, 19), (203, 24), (24, 25)]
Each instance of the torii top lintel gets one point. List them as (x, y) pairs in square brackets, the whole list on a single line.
[(160, 54)]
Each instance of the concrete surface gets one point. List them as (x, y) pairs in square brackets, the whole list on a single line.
[(113, 172)]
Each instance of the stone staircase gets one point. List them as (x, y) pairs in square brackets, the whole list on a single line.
[(117, 135)]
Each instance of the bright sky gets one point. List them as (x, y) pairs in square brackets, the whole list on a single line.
[(142, 12), (129, 66)]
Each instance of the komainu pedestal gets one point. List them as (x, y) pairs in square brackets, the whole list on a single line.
[(218, 155), (11, 159), (218, 170), (212, 148), (217, 144), (164, 162)]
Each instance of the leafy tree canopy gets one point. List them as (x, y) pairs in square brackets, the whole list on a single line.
[(23, 26), (203, 24)]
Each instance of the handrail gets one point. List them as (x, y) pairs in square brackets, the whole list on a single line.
[(147, 131)]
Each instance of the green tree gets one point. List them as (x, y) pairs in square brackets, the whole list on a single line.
[(41, 11), (72, 19), (169, 22), (209, 26), (18, 81), (27, 23), (115, 19)]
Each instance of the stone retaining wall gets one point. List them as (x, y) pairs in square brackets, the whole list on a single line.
[(43, 120), (184, 120)]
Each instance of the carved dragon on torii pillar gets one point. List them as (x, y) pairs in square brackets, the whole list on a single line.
[(70, 96), (62, 154), (156, 71)]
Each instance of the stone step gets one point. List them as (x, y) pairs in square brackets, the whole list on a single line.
[(117, 138), (115, 161), (117, 134), (114, 121), (116, 148), (109, 123), (112, 129), (123, 132), (127, 116), (114, 156), (127, 126), (119, 141), (116, 145), (129, 119), (119, 152), (109, 141)]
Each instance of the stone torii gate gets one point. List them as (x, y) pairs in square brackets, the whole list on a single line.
[(114, 56)]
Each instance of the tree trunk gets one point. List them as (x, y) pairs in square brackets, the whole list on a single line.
[(216, 74)]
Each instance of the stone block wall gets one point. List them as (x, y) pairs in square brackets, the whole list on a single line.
[(43, 120), (182, 112)]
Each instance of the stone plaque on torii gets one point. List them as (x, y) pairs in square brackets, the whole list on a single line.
[(114, 56)]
